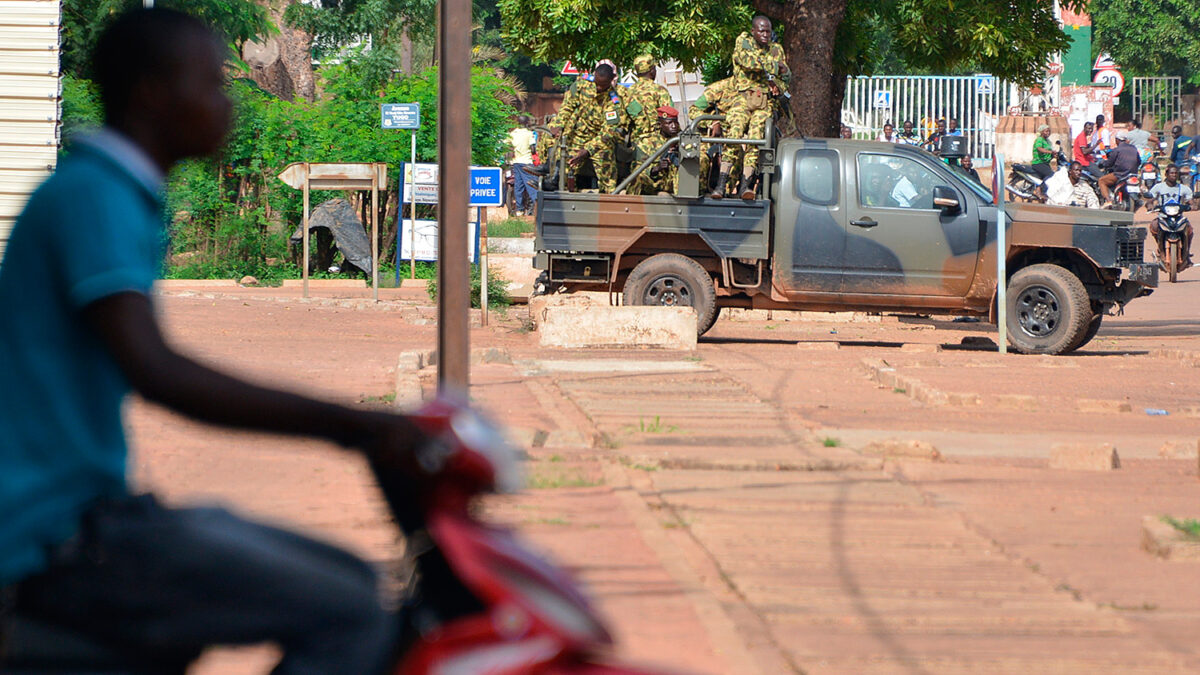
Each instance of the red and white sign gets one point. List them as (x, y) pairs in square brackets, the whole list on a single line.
[(1112, 78), (569, 69), (1055, 68), (1105, 62)]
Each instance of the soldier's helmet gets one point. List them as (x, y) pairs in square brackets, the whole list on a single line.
[(643, 64)]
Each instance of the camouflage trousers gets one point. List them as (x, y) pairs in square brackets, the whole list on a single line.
[(646, 183), (603, 163), (747, 124), (706, 164)]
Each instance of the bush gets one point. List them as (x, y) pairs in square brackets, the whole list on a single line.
[(497, 289)]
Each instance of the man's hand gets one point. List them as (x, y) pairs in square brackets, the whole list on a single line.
[(774, 87), (714, 129), (579, 157)]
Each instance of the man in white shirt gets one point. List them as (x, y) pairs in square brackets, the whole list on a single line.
[(522, 140), (1071, 189)]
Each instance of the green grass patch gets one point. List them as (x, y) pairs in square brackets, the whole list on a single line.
[(656, 426), (388, 398), (831, 442), (1190, 527), (899, 390), (551, 480), (510, 227)]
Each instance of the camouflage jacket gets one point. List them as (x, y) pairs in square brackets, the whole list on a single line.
[(644, 99), (597, 119), (570, 105), (714, 101), (752, 64)]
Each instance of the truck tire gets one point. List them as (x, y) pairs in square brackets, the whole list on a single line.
[(673, 280), (1048, 310), (1093, 327)]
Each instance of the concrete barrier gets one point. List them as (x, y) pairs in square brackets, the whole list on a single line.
[(582, 324), (1084, 457)]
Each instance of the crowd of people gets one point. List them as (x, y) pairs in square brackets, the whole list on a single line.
[(601, 128)]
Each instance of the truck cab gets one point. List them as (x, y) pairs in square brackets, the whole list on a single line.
[(850, 225)]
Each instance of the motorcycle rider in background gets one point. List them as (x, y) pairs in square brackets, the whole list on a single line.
[(1182, 147), (1170, 190), (1122, 161)]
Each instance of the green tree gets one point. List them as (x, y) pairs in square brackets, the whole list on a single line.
[(1150, 38), (84, 20), (825, 40)]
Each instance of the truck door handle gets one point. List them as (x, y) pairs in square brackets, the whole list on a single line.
[(865, 223)]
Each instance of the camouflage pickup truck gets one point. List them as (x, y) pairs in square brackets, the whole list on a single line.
[(848, 225)]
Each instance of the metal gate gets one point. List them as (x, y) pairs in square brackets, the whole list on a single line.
[(976, 101), (1156, 97)]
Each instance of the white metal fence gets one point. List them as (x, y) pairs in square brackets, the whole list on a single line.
[(977, 102), (1157, 97)]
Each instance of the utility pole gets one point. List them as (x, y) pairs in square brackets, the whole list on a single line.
[(454, 155)]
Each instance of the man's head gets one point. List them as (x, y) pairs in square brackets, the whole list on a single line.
[(966, 162), (888, 129), (1075, 172), (1176, 131), (1099, 121), (1135, 124), (760, 28), (668, 121), (908, 126), (644, 66), (1122, 136), (603, 77), (523, 120), (846, 132), (953, 124), (160, 73), (941, 126), (1171, 175), (1088, 128)]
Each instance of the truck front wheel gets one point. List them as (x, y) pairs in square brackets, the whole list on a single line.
[(673, 280), (1048, 310)]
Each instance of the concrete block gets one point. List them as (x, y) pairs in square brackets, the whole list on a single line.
[(577, 327), (408, 389), (962, 398), (516, 269), (1167, 542), (169, 284), (920, 347), (566, 438), (414, 283), (416, 359), (1179, 450), (904, 450), (1084, 457), (539, 304), (1017, 402), (511, 245), (482, 355), (327, 283), (1099, 405), (819, 345)]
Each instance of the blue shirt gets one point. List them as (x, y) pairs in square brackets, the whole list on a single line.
[(93, 229), (1181, 149)]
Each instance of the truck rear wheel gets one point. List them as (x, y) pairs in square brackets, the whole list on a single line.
[(1048, 310), (673, 280)]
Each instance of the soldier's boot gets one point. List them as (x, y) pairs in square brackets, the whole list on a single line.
[(719, 191), (746, 187)]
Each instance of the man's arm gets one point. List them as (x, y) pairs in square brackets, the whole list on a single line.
[(126, 324)]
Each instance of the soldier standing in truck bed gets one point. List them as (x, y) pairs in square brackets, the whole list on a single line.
[(593, 126), (644, 98), (716, 100), (759, 65)]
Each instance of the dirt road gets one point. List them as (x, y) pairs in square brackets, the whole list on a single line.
[(723, 505)]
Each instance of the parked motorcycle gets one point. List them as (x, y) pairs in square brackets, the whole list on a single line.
[(478, 600), (1172, 224)]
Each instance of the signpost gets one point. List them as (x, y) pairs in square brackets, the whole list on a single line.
[(1001, 252), (405, 116), (883, 99)]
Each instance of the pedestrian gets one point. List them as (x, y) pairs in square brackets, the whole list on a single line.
[(1182, 147), (967, 166), (644, 98), (522, 140), (78, 548), (933, 142), (908, 135), (845, 132), (888, 135), (760, 72), (597, 123)]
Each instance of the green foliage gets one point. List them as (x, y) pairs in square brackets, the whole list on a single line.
[(587, 31), (511, 227), (497, 289), (84, 20), (81, 108), (1150, 38), (1190, 526)]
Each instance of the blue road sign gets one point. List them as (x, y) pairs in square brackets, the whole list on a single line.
[(400, 115), (487, 186)]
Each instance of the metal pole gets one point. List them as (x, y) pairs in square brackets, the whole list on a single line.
[(304, 226), (375, 232), (483, 289), (412, 211), (1001, 257), (454, 155)]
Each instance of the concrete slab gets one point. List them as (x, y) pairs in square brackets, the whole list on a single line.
[(567, 327), (1084, 457), (535, 367)]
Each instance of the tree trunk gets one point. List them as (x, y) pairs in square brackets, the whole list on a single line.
[(390, 210), (809, 35), (282, 64)]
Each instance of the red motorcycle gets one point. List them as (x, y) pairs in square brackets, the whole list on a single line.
[(479, 602)]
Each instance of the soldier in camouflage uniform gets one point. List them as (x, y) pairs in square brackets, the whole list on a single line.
[(645, 97), (716, 100), (660, 176), (593, 125), (759, 65)]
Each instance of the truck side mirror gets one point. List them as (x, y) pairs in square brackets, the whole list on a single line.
[(945, 198)]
